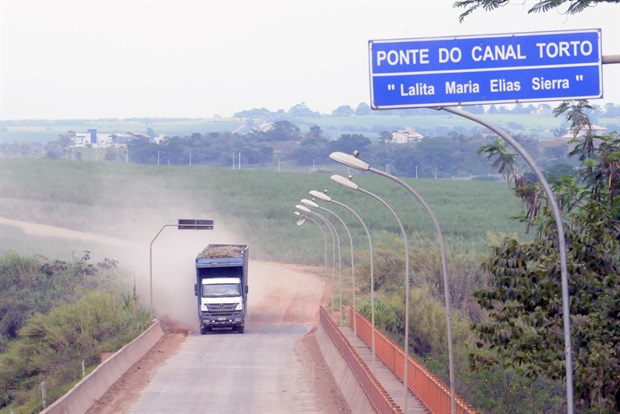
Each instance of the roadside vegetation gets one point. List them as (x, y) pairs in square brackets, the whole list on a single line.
[(57, 317), (509, 352)]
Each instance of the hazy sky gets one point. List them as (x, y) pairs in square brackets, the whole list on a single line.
[(120, 59)]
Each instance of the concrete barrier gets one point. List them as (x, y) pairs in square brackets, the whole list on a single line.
[(92, 387), (363, 392), (352, 391)]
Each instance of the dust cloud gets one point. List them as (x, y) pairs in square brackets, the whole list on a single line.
[(171, 269), (129, 217), (174, 273)]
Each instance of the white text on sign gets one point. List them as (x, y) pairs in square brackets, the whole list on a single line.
[(483, 53)]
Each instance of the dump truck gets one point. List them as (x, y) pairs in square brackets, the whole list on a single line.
[(222, 287)]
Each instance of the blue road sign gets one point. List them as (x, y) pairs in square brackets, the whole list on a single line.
[(508, 68)]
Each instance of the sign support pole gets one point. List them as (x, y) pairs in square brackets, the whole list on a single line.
[(561, 241)]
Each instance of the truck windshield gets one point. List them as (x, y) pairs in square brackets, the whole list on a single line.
[(228, 289)]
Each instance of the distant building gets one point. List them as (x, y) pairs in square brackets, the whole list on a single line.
[(595, 130), (249, 127), (406, 136), (92, 139), (81, 140)]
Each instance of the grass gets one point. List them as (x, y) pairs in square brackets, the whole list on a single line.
[(133, 201)]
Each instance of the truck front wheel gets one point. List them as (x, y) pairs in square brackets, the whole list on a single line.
[(240, 329), (203, 330)]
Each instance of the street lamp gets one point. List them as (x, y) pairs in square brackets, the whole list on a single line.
[(350, 184), (335, 235), (310, 203), (325, 197), (300, 222), (182, 224), (354, 162)]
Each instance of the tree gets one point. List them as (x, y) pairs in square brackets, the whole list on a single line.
[(350, 142), (476, 109), (312, 148), (612, 111), (343, 110), (556, 152), (282, 131), (301, 110), (524, 329), (556, 171), (363, 109), (58, 149), (574, 6), (142, 151), (263, 113), (315, 132), (110, 155), (385, 136), (492, 110)]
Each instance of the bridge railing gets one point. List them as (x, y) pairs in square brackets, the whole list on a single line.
[(430, 390)]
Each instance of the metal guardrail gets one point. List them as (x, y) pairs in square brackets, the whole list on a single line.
[(433, 393), (378, 397)]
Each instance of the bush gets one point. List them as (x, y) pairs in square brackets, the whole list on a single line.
[(52, 346), (36, 284)]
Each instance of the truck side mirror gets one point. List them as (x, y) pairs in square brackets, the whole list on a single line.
[(246, 290), (195, 289)]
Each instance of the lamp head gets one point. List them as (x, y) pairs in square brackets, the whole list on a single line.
[(349, 160), (320, 196), (344, 182), (309, 203), (303, 208)]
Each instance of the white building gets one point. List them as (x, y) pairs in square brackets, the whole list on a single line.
[(406, 136), (594, 130)]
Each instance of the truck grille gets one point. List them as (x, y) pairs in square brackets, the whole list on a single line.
[(221, 307)]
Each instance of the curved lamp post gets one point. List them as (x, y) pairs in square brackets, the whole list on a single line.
[(568, 353), (310, 203), (350, 184), (301, 221), (354, 162), (335, 235), (325, 197), (331, 232)]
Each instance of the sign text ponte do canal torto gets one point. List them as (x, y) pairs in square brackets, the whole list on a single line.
[(450, 71)]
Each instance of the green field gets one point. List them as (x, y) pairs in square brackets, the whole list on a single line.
[(133, 201)]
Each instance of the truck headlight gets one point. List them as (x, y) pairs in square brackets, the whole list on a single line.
[(239, 306)]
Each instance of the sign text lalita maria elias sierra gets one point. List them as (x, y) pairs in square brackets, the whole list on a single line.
[(518, 67)]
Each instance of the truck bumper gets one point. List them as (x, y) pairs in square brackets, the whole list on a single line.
[(215, 320)]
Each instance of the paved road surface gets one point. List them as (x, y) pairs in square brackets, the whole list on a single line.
[(265, 370)]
